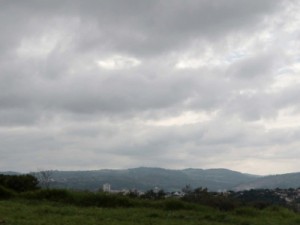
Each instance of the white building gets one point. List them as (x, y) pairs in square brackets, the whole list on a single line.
[(106, 187)]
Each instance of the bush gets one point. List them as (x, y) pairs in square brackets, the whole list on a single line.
[(105, 200), (19, 183), (6, 193), (174, 204), (260, 204), (203, 197), (246, 211), (57, 195), (224, 204), (80, 198)]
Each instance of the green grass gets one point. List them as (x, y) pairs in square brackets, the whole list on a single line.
[(44, 212)]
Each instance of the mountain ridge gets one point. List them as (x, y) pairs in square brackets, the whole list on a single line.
[(145, 178), (285, 181)]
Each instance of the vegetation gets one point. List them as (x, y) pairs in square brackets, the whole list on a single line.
[(143, 179), (19, 183), (29, 212), (33, 206)]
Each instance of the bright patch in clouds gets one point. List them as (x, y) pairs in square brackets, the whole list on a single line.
[(285, 79), (194, 60), (38, 46), (194, 63), (286, 118), (185, 118), (118, 62)]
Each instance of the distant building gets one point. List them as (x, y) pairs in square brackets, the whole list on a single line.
[(106, 187)]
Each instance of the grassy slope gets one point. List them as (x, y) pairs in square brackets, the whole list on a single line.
[(25, 212)]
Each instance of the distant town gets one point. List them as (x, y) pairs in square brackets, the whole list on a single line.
[(288, 197)]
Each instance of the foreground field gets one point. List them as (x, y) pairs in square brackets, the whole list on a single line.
[(25, 212)]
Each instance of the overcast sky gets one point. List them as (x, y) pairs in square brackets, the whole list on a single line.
[(93, 84)]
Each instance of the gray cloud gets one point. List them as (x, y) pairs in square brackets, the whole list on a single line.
[(155, 83)]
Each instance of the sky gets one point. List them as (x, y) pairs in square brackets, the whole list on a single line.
[(97, 84)]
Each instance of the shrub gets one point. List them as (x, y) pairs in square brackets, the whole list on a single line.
[(105, 200), (224, 204), (58, 195), (246, 211), (203, 197), (19, 183), (260, 204), (174, 204), (6, 193), (80, 198)]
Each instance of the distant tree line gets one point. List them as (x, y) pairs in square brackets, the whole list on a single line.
[(19, 183), (225, 201), (29, 186)]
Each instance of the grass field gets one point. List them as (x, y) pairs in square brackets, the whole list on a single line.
[(28, 212)]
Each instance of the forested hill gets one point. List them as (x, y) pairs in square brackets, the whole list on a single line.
[(288, 180), (146, 178)]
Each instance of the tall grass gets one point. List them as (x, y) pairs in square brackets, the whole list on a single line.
[(18, 211), (62, 206), (79, 198)]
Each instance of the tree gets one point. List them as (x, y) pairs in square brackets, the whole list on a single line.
[(151, 194), (19, 183), (45, 178), (187, 189)]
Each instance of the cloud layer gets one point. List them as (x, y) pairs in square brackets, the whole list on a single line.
[(110, 84)]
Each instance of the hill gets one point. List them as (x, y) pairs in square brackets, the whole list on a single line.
[(146, 178), (284, 181)]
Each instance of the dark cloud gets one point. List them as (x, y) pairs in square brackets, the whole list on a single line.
[(135, 27)]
